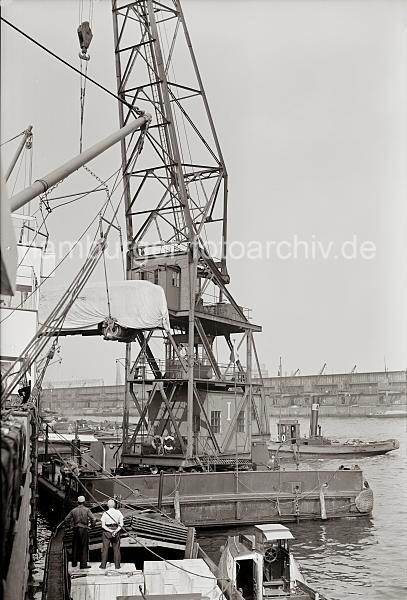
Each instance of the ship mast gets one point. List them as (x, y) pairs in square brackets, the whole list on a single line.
[(176, 214)]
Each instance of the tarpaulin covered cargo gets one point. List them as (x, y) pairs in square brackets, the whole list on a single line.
[(133, 304)]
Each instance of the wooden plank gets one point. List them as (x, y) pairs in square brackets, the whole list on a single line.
[(141, 542), (56, 578), (189, 546)]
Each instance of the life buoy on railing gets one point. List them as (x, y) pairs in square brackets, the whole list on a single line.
[(157, 442), (168, 443), (283, 438)]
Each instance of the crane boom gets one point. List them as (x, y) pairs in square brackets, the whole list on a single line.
[(42, 185)]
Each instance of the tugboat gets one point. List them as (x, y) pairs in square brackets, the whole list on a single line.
[(289, 442), (262, 566)]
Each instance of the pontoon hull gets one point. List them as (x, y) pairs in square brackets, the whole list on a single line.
[(222, 499)]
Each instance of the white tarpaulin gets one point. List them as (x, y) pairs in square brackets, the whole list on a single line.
[(134, 304)]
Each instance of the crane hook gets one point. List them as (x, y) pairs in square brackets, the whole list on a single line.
[(85, 36)]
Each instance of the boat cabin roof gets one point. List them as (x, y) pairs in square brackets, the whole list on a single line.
[(275, 531), (287, 422), (67, 438)]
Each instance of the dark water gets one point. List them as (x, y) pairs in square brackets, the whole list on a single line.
[(356, 558), (346, 558)]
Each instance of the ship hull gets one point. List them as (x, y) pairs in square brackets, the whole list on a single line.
[(16, 480), (225, 499)]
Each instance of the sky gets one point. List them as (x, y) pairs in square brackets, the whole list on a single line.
[(309, 102)]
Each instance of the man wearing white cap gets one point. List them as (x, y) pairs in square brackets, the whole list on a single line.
[(112, 522), (79, 519)]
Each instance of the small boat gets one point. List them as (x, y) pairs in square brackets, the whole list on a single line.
[(261, 566), (290, 442), (387, 414)]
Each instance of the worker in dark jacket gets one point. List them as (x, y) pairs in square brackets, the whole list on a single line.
[(79, 519)]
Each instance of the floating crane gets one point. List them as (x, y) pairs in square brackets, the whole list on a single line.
[(176, 206)]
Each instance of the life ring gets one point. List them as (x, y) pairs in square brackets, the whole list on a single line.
[(157, 442), (168, 443), (283, 438), (270, 555)]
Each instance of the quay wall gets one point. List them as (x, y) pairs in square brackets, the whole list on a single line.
[(380, 387), (346, 395), (339, 411)]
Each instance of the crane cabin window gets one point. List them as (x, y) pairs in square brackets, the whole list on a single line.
[(240, 422), (197, 424), (176, 279), (215, 421)]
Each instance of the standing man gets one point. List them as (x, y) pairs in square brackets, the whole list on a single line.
[(112, 523), (79, 519)]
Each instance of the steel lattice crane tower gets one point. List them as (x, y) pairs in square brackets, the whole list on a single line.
[(176, 203)]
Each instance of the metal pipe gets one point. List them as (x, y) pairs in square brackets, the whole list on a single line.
[(42, 185), (126, 400), (249, 366), (160, 490), (78, 452), (314, 420), (27, 133), (177, 506), (191, 345), (46, 441), (103, 456)]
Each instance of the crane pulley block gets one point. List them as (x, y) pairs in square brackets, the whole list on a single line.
[(85, 36)]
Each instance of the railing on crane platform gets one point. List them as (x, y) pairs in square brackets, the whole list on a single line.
[(173, 370)]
